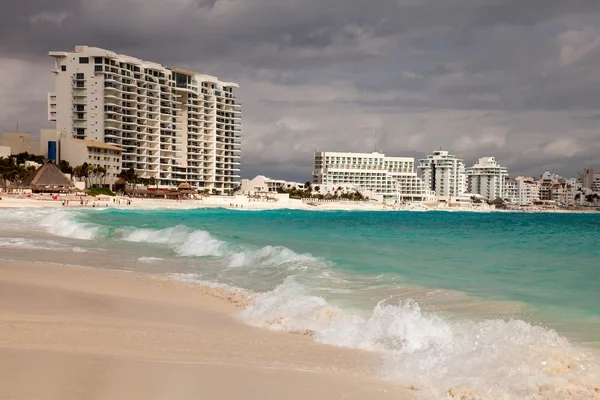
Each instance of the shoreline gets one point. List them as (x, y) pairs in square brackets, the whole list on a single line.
[(67, 326), (219, 202)]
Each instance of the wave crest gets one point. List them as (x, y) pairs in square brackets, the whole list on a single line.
[(441, 359)]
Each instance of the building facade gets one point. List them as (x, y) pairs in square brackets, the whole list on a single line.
[(4, 151), (548, 185), (521, 191), (444, 174), (58, 147), (393, 178), (590, 179), (19, 142), (263, 184), (172, 124), (486, 178)]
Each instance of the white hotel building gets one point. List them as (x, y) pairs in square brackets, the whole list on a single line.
[(444, 174), (486, 178), (173, 124), (521, 190), (394, 178)]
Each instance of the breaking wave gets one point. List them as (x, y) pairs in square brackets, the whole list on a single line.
[(439, 359)]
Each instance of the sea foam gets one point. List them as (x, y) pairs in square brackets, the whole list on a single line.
[(63, 223), (439, 359)]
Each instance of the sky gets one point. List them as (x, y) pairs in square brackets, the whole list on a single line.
[(514, 79)]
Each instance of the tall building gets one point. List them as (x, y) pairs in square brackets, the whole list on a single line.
[(486, 178), (590, 179), (444, 174), (394, 178), (173, 124)]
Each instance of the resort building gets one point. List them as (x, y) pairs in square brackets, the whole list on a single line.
[(590, 179), (444, 174), (262, 184), (486, 178), (57, 147), (521, 191), (393, 178), (19, 142), (548, 183), (172, 124)]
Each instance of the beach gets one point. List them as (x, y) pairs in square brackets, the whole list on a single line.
[(82, 333), (336, 304), (245, 202)]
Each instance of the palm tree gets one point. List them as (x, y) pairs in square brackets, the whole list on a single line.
[(77, 172), (100, 172)]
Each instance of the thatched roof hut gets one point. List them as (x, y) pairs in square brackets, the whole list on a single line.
[(498, 203), (184, 186), (47, 178)]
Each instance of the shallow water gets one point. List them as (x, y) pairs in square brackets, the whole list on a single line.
[(490, 304)]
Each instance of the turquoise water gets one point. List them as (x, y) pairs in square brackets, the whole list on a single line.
[(548, 261), (450, 299)]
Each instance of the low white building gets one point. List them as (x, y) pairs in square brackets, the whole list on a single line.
[(59, 147), (19, 142), (263, 184), (392, 178), (4, 151), (486, 178)]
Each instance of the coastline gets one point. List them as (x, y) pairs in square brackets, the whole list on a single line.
[(243, 203), (104, 334)]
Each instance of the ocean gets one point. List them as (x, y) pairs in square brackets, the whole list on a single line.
[(496, 305)]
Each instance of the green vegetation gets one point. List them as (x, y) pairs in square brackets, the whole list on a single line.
[(100, 191), (131, 178), (307, 193), (11, 170)]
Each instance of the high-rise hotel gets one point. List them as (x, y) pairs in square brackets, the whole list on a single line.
[(394, 178), (173, 124)]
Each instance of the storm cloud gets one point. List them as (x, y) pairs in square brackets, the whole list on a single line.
[(518, 80)]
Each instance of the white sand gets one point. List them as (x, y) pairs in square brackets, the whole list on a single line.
[(78, 333)]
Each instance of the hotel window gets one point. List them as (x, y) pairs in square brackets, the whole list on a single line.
[(63, 68), (84, 60)]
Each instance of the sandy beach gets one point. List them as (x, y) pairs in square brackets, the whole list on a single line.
[(81, 333), (245, 203)]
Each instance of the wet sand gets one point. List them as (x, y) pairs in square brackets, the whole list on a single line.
[(82, 333)]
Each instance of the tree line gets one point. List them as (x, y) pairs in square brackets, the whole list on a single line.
[(13, 171), (308, 192)]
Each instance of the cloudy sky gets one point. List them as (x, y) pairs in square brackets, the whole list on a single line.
[(515, 79)]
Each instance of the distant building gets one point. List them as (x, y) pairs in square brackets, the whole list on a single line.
[(590, 179), (547, 183), (57, 147), (444, 174), (263, 184), (557, 188), (19, 142), (4, 151), (486, 178), (521, 191), (391, 178)]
